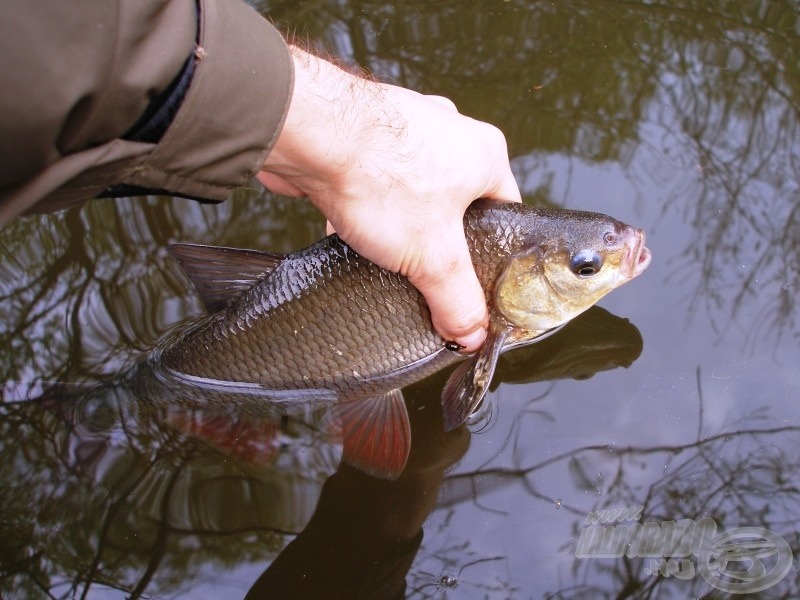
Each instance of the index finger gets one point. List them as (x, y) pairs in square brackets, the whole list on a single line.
[(503, 185), (454, 295)]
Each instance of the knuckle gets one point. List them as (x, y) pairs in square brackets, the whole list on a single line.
[(444, 102), (498, 138)]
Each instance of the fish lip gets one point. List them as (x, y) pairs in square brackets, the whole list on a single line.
[(637, 255)]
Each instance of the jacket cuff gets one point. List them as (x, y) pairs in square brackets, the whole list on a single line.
[(233, 110)]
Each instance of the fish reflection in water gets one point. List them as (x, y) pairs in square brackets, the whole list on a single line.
[(365, 531), (253, 429), (153, 454), (147, 447), (326, 324)]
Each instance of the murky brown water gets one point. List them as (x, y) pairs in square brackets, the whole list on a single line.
[(681, 395)]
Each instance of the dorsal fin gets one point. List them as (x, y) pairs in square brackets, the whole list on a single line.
[(221, 275)]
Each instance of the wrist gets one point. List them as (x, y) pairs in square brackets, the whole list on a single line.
[(335, 120)]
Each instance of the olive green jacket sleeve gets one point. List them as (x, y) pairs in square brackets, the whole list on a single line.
[(77, 76)]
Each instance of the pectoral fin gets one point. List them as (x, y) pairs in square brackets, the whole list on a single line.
[(375, 433), (467, 386)]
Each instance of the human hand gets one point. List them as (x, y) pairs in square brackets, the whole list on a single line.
[(393, 172)]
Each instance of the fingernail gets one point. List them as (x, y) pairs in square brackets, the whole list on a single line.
[(471, 343)]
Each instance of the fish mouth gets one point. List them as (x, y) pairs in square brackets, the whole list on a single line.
[(637, 255)]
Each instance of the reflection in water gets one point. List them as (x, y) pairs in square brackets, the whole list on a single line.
[(705, 90), (692, 104), (734, 98), (594, 341), (755, 484), (100, 492), (365, 532), (153, 475), (86, 291)]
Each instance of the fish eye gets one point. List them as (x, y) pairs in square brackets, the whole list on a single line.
[(609, 238), (586, 263)]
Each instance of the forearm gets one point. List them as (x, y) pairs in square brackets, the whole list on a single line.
[(347, 115), (73, 146)]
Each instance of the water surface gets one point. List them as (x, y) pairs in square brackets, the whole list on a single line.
[(680, 395)]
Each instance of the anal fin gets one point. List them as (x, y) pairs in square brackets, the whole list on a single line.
[(375, 433)]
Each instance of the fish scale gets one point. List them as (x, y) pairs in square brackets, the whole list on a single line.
[(328, 318), (325, 323), (311, 320)]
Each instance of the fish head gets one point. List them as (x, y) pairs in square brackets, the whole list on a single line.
[(569, 263)]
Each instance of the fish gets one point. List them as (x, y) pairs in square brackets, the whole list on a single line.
[(325, 324)]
